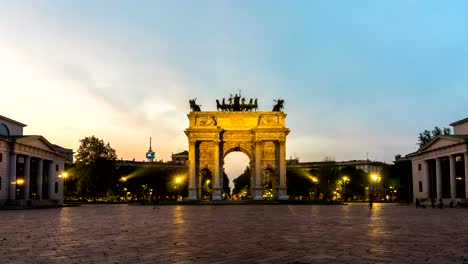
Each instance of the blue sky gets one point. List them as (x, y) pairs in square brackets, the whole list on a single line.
[(358, 76)]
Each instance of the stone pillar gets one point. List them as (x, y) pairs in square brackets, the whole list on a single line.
[(217, 177), (426, 183), (257, 179), (27, 177), (453, 180), (438, 179), (193, 194), (282, 195), (12, 177), (51, 180), (40, 168), (465, 159)]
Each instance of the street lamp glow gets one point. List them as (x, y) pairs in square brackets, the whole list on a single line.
[(19, 181), (207, 181), (124, 179), (345, 178), (374, 177), (178, 180)]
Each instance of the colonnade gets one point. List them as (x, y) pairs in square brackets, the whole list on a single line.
[(46, 173), (452, 174)]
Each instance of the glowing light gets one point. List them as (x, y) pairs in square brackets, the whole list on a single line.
[(345, 178), (178, 180), (124, 179), (19, 181), (374, 177)]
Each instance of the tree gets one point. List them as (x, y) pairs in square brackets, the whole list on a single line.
[(328, 174), (299, 183), (242, 182), (426, 136), (95, 167)]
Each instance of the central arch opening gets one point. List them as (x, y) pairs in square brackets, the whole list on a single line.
[(237, 168)]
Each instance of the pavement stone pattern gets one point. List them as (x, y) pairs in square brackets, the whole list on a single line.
[(389, 233)]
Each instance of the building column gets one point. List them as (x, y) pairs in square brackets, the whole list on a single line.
[(465, 159), (217, 177), (51, 180), (12, 177), (282, 195), (256, 184), (427, 181), (438, 178), (192, 195), (453, 181), (40, 168), (27, 177)]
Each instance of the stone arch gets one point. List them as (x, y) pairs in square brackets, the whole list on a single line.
[(259, 135)]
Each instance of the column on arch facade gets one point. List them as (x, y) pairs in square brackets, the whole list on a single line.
[(282, 195), (453, 181), (257, 181), (217, 177), (192, 171), (438, 178), (12, 177), (27, 176)]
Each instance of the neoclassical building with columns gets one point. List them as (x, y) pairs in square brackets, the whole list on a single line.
[(440, 169), (30, 167)]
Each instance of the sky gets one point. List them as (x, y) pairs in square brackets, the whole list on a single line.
[(359, 78)]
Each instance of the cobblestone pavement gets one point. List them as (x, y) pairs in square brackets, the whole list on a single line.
[(235, 234)]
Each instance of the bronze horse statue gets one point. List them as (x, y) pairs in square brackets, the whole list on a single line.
[(193, 105), (279, 105)]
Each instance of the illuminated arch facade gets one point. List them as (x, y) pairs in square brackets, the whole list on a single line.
[(260, 135)]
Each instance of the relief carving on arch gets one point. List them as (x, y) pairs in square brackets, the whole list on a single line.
[(206, 151), (244, 146), (268, 120), (269, 150), (205, 121)]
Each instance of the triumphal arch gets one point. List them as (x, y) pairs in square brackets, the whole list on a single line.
[(238, 126)]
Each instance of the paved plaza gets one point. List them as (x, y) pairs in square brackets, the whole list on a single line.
[(389, 233)]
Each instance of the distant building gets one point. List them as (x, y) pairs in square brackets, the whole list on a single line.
[(150, 154), (365, 165), (160, 164), (180, 158), (440, 168), (30, 167)]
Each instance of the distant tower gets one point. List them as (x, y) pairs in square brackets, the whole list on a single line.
[(150, 154)]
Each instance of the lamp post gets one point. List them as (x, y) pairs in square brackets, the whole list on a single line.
[(345, 179), (123, 180), (375, 178), (178, 181), (315, 181), (64, 176)]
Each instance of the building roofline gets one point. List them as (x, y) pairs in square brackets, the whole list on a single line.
[(459, 122), (12, 121)]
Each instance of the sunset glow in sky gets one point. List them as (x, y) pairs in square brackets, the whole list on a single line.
[(357, 76)]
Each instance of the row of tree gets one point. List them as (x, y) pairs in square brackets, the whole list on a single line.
[(330, 181), (94, 175)]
